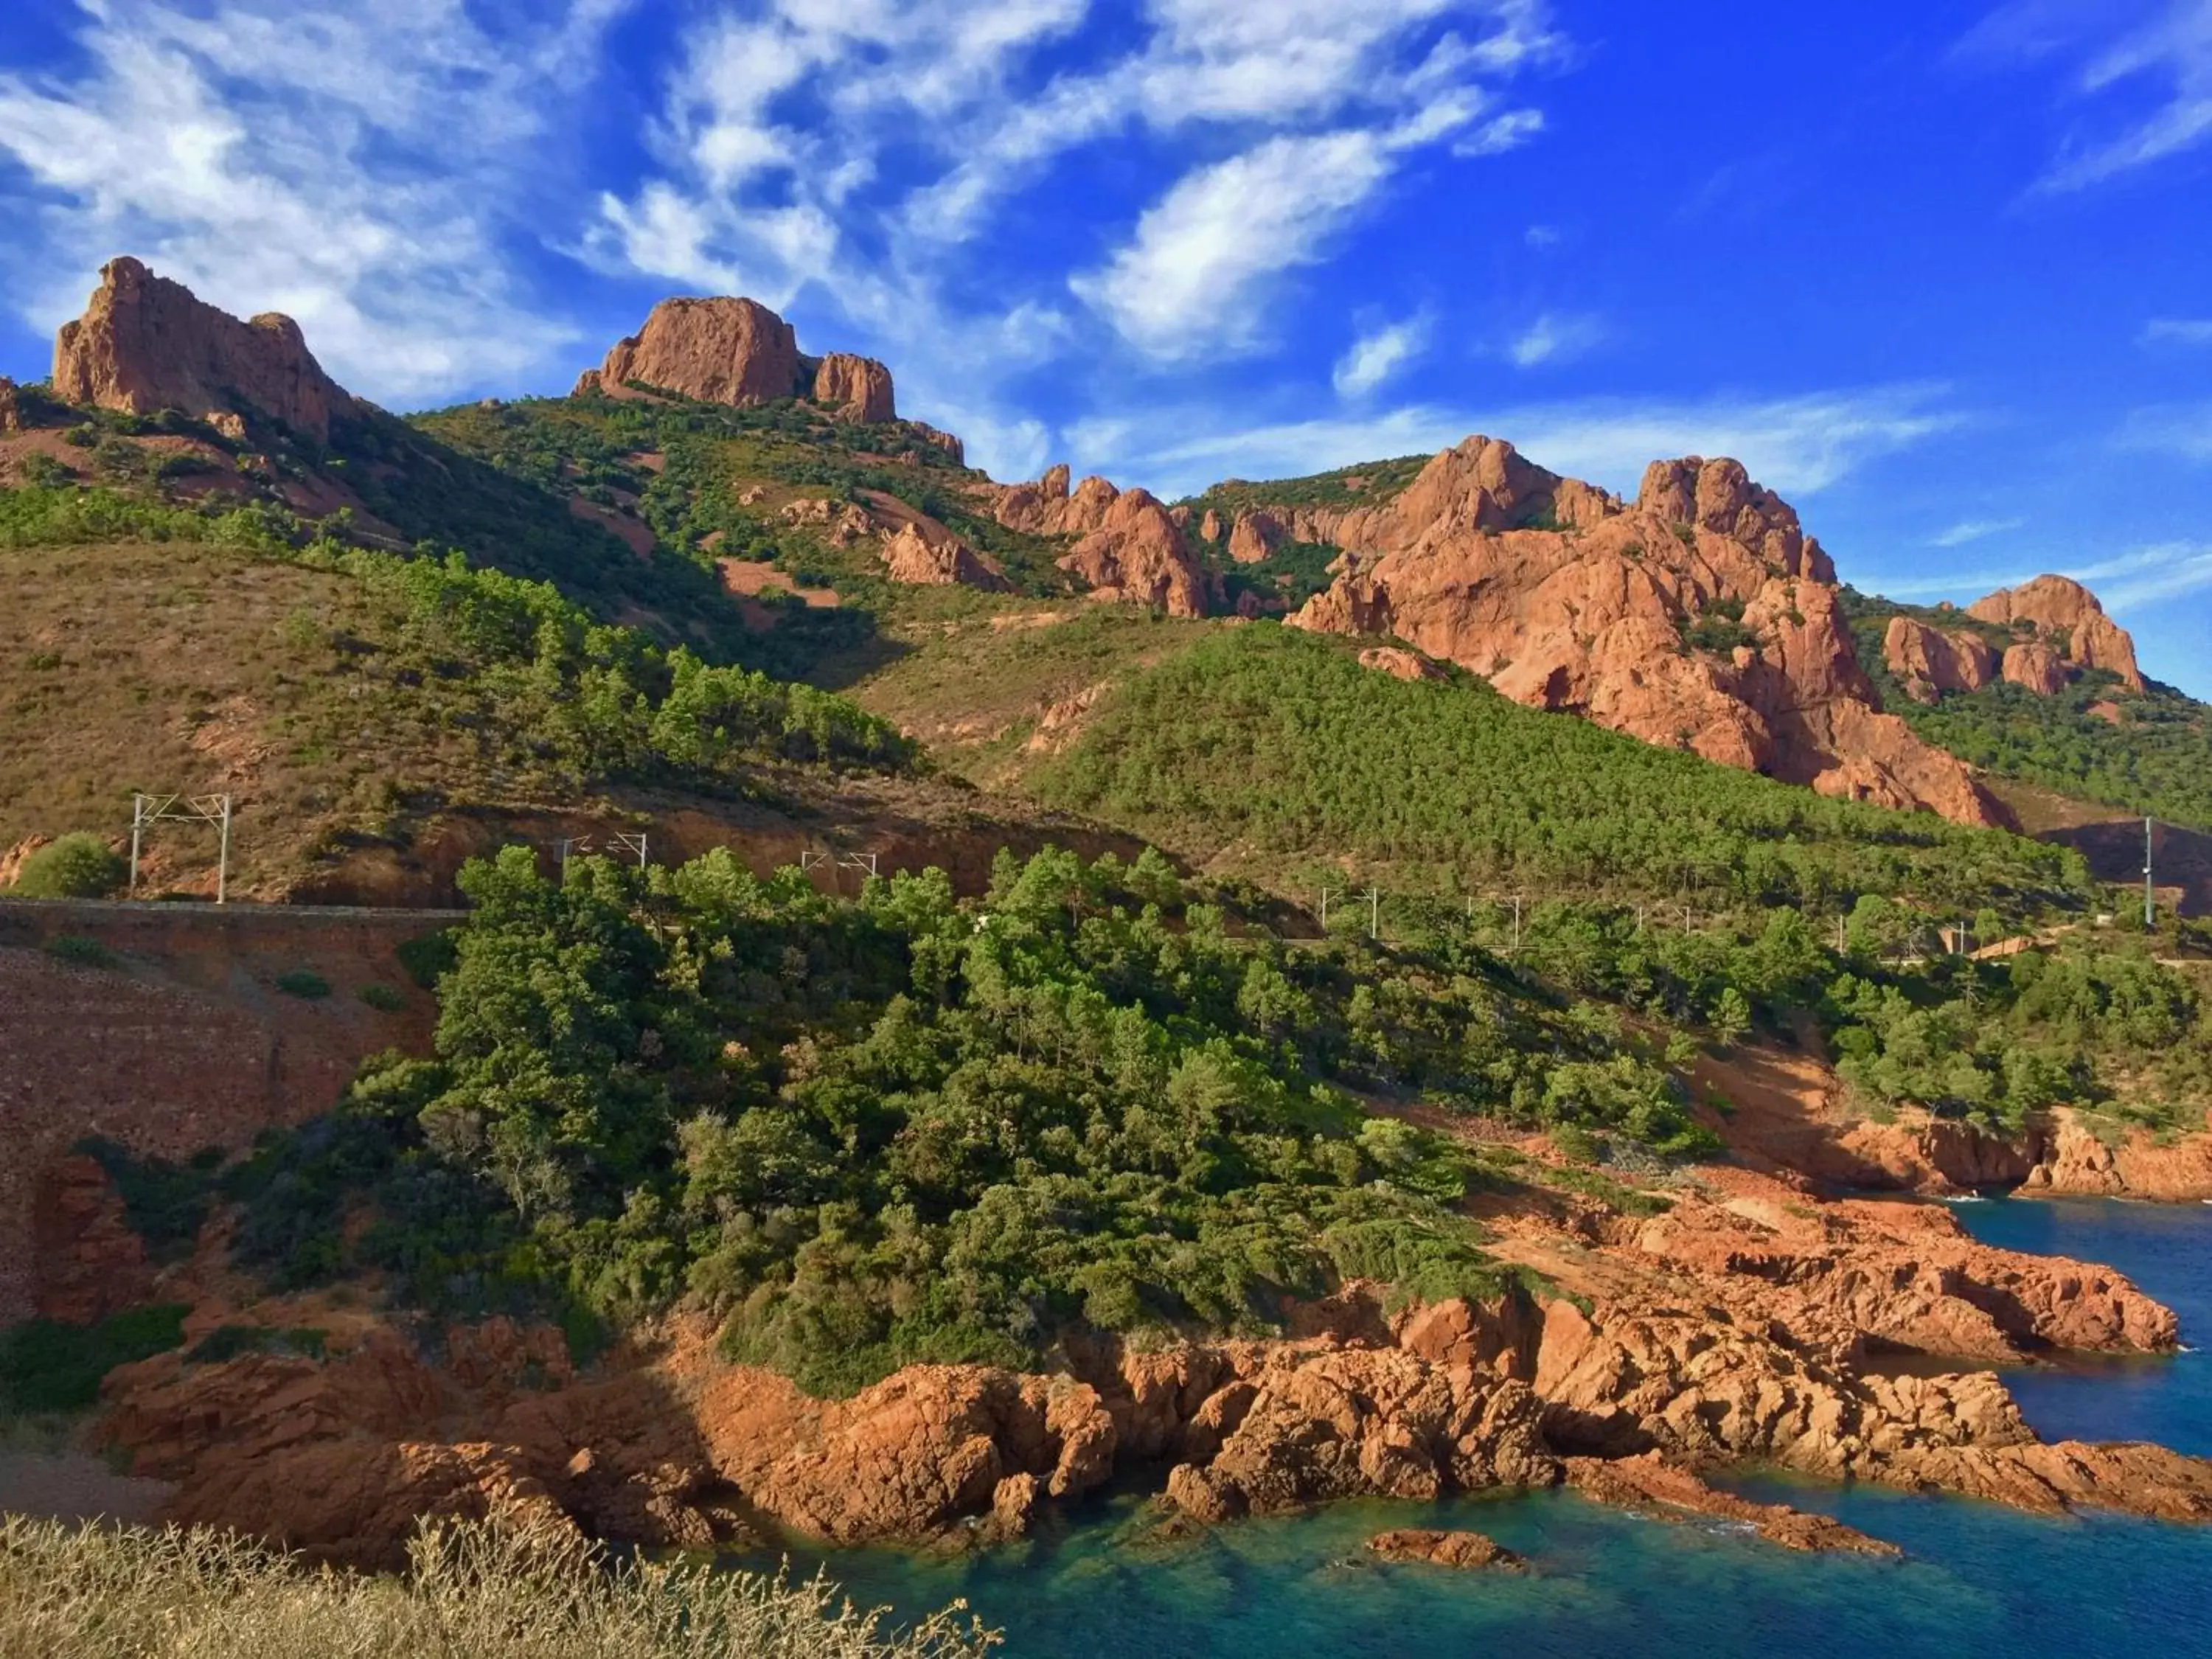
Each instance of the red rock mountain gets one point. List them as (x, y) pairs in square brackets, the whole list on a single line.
[(731, 350), (146, 343), (1569, 598)]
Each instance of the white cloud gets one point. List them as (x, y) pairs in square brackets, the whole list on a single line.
[(1555, 337), (2177, 331), (1190, 277), (1376, 355), (1501, 133), (1974, 530), (359, 172), (1797, 446), (2182, 430), (2160, 48), (2166, 572)]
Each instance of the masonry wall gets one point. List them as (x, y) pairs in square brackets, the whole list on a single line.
[(188, 1044)]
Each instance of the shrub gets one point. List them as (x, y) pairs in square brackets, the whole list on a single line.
[(78, 865), (49, 1367), (383, 998), (304, 983), (425, 958), (81, 952)]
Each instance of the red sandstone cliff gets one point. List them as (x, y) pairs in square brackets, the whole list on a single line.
[(146, 343), (1568, 599), (737, 351)]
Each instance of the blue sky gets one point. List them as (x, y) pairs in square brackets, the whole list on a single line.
[(1940, 272)]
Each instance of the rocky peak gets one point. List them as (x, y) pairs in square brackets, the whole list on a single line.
[(859, 388), (729, 349), (1566, 597), (2050, 607), (1931, 661), (11, 414), (146, 343)]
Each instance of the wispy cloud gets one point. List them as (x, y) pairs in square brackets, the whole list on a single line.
[(1376, 355), (2177, 331), (1555, 337), (2180, 430), (2143, 83), (1974, 530), (2123, 581), (1799, 445), (359, 169)]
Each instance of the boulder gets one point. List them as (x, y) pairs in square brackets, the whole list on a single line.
[(146, 343), (912, 557), (1253, 536), (2035, 667), (1460, 1550)]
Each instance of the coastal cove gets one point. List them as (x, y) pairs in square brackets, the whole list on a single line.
[(1977, 1579)]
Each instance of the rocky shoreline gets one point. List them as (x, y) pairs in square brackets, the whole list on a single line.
[(1743, 1327)]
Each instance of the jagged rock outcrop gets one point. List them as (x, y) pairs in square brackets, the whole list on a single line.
[(1400, 663), (939, 439), (859, 388), (1253, 536), (722, 351), (1129, 548), (1931, 661), (146, 343), (733, 350), (11, 414), (2060, 611), (1568, 599), (1652, 1485), (2035, 667), (912, 556)]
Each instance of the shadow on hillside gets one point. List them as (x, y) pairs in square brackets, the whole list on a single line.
[(2181, 858)]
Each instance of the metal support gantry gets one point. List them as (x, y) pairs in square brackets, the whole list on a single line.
[(214, 810)]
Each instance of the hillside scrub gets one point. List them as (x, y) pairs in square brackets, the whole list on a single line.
[(472, 1591), (362, 690), (1448, 786)]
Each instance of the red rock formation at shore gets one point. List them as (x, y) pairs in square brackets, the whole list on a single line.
[(146, 343), (733, 350), (1652, 1485), (1568, 599), (1687, 1360), (1458, 1550), (2059, 609)]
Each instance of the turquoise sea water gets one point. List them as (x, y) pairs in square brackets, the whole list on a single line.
[(1976, 1580)]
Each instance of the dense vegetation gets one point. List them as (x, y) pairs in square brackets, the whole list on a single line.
[(2154, 755), (2095, 1023), (77, 866), (903, 1127), (1279, 746), (472, 1591)]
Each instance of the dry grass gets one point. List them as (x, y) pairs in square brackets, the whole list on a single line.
[(473, 1591)]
